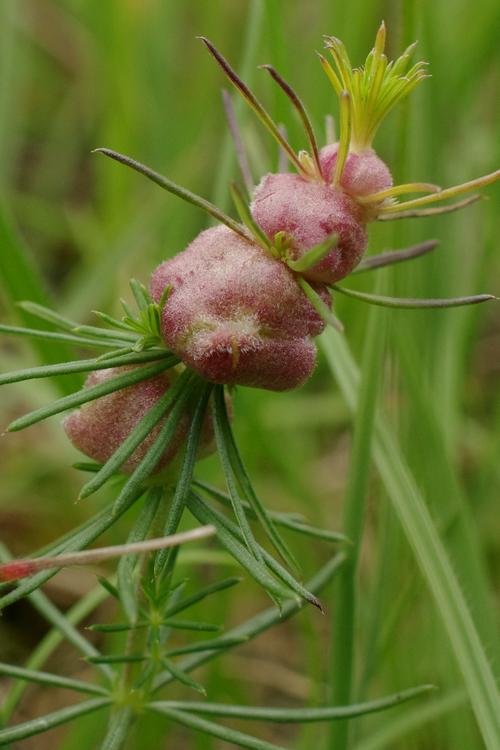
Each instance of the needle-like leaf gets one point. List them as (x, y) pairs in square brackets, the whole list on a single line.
[(175, 189)]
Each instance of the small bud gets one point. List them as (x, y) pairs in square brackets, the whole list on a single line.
[(310, 212), (99, 427), (363, 172)]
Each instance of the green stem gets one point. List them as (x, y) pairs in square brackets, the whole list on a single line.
[(429, 551), (344, 625)]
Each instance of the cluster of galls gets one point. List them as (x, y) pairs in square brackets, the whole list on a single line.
[(245, 300)]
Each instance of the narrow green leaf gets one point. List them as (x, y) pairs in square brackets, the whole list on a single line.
[(50, 316), (47, 646), (314, 255), (77, 539), (231, 541), (288, 521), (56, 336), (224, 450), (53, 680), (214, 644), (178, 674), (49, 721), (87, 365), (213, 588), (395, 256), (298, 715), (135, 438), (157, 449), (54, 616), (254, 103), (177, 190), (264, 620), (241, 475), (410, 303), (184, 479), (87, 394), (212, 729), (126, 582), (20, 279), (323, 311), (301, 110), (247, 219)]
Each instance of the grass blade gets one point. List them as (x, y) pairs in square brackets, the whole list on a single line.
[(430, 553)]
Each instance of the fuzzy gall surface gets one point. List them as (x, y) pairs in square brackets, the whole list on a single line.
[(363, 173), (237, 316), (98, 428), (311, 211)]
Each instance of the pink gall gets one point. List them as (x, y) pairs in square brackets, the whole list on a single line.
[(235, 315)]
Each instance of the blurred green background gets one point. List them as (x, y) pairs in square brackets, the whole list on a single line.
[(131, 75)]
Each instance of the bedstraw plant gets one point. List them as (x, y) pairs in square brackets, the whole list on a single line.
[(242, 305)]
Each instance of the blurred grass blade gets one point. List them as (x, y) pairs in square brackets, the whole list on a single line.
[(298, 715), (343, 628), (429, 551), (21, 280), (49, 721), (88, 394)]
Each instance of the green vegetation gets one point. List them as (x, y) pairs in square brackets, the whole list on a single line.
[(381, 474)]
